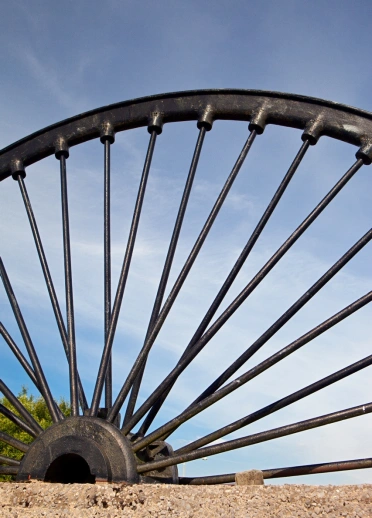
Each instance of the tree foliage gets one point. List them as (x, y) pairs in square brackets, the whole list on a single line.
[(37, 408)]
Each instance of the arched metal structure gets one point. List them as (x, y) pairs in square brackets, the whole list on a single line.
[(92, 433)]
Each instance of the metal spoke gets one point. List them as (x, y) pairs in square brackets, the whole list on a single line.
[(42, 382), (232, 275), (25, 414), (18, 445), (167, 267), (195, 408), (49, 282), (310, 469), (278, 405), (292, 471), (123, 278), (238, 301), (8, 470), (8, 461), (18, 354), (73, 372), (16, 420), (22, 360), (285, 317), (249, 246), (256, 438), (107, 267), (180, 280)]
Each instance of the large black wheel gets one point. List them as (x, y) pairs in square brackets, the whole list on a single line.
[(214, 307)]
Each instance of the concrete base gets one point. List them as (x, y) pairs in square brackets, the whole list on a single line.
[(43, 500)]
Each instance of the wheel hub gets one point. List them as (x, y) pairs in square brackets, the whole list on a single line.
[(80, 449)]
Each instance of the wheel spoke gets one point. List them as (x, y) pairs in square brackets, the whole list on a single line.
[(195, 408), (256, 438), (18, 445), (310, 469), (49, 282), (179, 282), (286, 316), (13, 400), (278, 405), (231, 277), (238, 301), (18, 354), (16, 420), (123, 278), (249, 246), (8, 470), (107, 262), (73, 372), (8, 461), (292, 471), (167, 267), (22, 360), (42, 382)]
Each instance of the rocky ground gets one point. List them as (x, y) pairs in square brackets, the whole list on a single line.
[(114, 500)]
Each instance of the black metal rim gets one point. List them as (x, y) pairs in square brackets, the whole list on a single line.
[(332, 119)]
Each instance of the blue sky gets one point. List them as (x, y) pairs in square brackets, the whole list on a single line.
[(58, 60)]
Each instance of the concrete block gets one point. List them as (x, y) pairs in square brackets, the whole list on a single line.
[(253, 477)]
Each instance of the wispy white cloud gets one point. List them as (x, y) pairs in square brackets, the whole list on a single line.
[(50, 80)]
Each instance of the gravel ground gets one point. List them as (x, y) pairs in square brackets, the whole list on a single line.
[(114, 500)]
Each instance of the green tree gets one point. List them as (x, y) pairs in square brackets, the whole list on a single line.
[(38, 409)]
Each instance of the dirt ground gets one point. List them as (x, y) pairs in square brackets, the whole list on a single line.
[(114, 500)]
